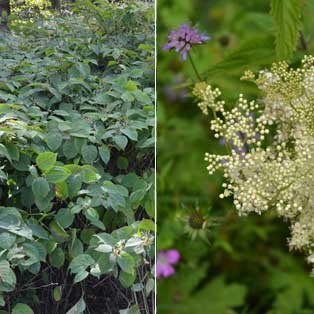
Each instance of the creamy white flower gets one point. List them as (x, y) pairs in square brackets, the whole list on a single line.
[(268, 170)]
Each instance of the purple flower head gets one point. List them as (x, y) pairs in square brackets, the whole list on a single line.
[(183, 39), (165, 260)]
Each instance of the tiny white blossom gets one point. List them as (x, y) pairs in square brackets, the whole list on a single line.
[(264, 169)]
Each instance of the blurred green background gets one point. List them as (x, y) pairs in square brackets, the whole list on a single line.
[(235, 264)]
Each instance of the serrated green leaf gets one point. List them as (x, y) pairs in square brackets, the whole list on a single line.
[(252, 54), (287, 20)]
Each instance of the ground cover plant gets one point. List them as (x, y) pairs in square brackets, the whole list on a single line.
[(77, 160), (210, 259)]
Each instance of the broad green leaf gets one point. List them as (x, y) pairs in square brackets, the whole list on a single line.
[(21, 308), (150, 285), (74, 185), (127, 279), (6, 240), (44, 204), (121, 141), (13, 151), (7, 275), (134, 309), (131, 86), (58, 232), (4, 152), (88, 174), (57, 258), (69, 149), (13, 224), (130, 133), (4, 108), (76, 249), (104, 248), (58, 174), (105, 264), (62, 190), (78, 308), (89, 153), (104, 153), (40, 188), (106, 238), (146, 224), (81, 275), (57, 293), (46, 160), (287, 20), (126, 262), (54, 140), (81, 262), (222, 297), (137, 196), (64, 217)]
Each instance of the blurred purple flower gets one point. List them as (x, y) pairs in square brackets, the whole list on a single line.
[(173, 93), (165, 260), (183, 39)]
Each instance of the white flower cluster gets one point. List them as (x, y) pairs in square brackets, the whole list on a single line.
[(269, 163)]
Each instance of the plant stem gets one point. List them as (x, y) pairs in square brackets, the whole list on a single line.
[(303, 41), (194, 68)]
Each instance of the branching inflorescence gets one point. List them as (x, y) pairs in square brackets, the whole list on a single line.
[(270, 145)]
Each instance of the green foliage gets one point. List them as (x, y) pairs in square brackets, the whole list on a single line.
[(21, 308), (287, 21), (76, 147)]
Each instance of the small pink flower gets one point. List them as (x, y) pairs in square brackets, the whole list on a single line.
[(165, 260)]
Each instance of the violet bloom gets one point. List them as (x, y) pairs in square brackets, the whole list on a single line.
[(175, 94), (165, 262), (183, 39)]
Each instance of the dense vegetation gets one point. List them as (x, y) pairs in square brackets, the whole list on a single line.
[(77, 160), (229, 264)]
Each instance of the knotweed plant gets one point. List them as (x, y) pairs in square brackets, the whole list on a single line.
[(269, 164)]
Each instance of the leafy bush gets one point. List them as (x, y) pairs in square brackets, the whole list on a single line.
[(77, 159)]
